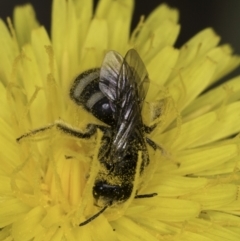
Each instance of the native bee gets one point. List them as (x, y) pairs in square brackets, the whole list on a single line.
[(114, 93)]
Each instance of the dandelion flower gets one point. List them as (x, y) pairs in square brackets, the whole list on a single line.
[(46, 180)]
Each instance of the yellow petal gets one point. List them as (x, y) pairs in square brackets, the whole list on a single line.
[(227, 122), (10, 210), (203, 159), (162, 14), (212, 198), (5, 187), (224, 60), (164, 60), (42, 61), (168, 185), (196, 132), (164, 209), (224, 219), (84, 12), (226, 93), (164, 35), (28, 226), (9, 156), (97, 45), (191, 82), (129, 230), (222, 168), (187, 133), (9, 50), (121, 12), (24, 21), (233, 60), (211, 230), (195, 49)]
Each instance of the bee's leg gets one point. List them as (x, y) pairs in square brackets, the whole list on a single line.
[(93, 217), (154, 145), (35, 132), (146, 195), (90, 130), (149, 129), (61, 126)]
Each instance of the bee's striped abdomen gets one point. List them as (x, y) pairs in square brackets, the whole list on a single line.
[(85, 92)]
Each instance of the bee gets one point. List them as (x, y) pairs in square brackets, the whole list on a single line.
[(114, 94)]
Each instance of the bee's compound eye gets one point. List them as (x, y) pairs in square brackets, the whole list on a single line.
[(102, 110)]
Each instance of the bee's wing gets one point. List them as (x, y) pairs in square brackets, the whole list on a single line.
[(109, 74), (140, 74), (125, 84), (112, 85)]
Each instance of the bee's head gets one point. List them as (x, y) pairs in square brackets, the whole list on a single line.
[(107, 194)]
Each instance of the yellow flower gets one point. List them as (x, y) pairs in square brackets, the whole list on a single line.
[(46, 180)]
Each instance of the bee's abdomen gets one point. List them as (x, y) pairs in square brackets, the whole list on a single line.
[(85, 92), (85, 88)]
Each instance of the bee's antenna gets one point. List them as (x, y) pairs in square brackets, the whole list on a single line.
[(93, 217)]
